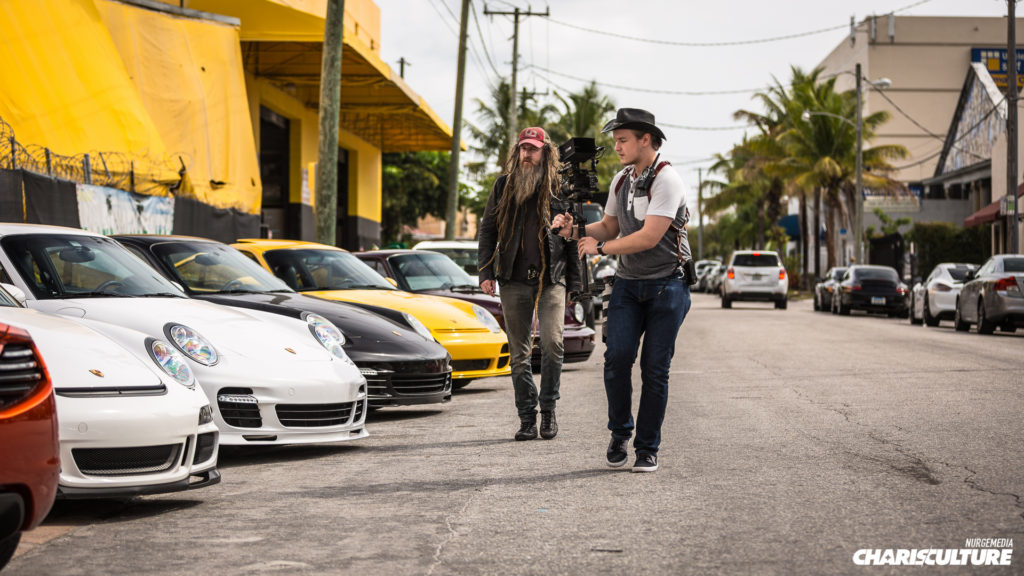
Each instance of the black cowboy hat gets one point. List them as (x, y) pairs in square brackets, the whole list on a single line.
[(636, 119)]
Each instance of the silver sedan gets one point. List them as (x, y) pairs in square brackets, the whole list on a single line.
[(993, 296), (934, 299)]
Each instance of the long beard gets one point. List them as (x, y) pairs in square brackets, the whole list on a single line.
[(526, 183)]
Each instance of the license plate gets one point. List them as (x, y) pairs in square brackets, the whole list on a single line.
[(878, 300), (757, 276)]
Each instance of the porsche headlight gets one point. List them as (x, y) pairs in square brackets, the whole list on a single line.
[(486, 318), (417, 326), (171, 361), (192, 344), (577, 312), (327, 334)]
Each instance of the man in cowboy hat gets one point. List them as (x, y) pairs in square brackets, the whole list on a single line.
[(532, 265), (645, 225)]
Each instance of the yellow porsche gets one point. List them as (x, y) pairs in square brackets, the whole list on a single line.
[(477, 344)]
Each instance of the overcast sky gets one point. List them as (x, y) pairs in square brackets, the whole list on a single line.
[(555, 51)]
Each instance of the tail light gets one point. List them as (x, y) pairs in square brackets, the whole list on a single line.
[(901, 291), (1009, 285), (731, 273), (852, 288), (941, 288), (25, 382), (782, 274)]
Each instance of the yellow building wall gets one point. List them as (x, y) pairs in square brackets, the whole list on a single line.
[(364, 159)]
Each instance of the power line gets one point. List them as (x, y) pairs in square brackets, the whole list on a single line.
[(720, 44), (918, 124), (962, 136), (480, 33), (649, 90)]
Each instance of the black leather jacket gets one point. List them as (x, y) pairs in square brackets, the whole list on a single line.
[(562, 262)]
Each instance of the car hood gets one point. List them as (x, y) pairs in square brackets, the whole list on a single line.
[(233, 332), (436, 312), (74, 353), (491, 303), (367, 335)]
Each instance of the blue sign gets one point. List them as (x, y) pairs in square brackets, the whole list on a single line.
[(994, 60)]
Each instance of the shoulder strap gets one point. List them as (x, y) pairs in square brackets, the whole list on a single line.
[(657, 169)]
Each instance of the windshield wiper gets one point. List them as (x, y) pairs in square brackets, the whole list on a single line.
[(92, 295), (465, 288), (366, 287), (158, 295), (237, 291)]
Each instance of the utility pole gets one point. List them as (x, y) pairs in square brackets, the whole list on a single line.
[(401, 66), (330, 105), (1011, 123), (700, 214), (451, 208), (858, 201), (513, 117)]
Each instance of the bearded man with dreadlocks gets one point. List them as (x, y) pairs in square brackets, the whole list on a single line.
[(533, 267)]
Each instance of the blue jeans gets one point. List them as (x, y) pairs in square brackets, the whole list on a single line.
[(517, 301), (654, 309)]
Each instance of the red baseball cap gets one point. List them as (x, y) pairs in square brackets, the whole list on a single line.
[(534, 136)]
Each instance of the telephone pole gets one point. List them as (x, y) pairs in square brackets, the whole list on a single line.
[(700, 214), (451, 207), (330, 108), (512, 116), (1011, 124)]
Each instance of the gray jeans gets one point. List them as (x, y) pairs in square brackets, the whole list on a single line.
[(517, 306)]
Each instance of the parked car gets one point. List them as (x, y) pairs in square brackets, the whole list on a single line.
[(475, 340), (269, 379), (992, 297), (134, 420), (704, 274), (401, 367), (462, 252), (713, 279), (872, 289), (29, 452), (754, 275), (934, 299), (826, 287), (427, 272)]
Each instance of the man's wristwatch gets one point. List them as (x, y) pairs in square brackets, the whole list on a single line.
[(600, 248)]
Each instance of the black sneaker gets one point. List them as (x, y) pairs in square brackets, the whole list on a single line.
[(527, 431), (548, 425), (646, 463), (617, 455)]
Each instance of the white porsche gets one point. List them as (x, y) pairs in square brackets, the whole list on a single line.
[(130, 418), (270, 379)]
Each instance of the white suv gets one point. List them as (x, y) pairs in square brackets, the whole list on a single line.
[(755, 275)]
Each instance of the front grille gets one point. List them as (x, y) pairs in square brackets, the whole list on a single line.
[(314, 415), (238, 411), (470, 365), (126, 461), (412, 384), (359, 410), (19, 374), (204, 447), (503, 361), (504, 349), (377, 385)]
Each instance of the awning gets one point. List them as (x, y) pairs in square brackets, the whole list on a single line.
[(987, 214), (282, 41)]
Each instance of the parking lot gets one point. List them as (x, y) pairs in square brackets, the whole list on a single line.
[(792, 440)]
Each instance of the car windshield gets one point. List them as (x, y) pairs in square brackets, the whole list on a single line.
[(877, 274), (318, 269), (430, 272), (207, 268), (756, 260), (1013, 265), (838, 274), (464, 257), (959, 273), (76, 266)]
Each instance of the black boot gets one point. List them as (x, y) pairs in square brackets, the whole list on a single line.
[(528, 429), (548, 424)]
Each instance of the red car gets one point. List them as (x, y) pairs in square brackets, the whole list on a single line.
[(29, 450), (426, 272)]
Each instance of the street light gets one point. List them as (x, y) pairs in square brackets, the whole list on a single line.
[(858, 210)]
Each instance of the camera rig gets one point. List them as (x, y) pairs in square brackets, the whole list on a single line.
[(577, 184)]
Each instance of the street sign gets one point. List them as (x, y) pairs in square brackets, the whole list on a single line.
[(994, 60)]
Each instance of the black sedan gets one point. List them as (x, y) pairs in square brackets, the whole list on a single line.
[(400, 366), (872, 289), (426, 272), (826, 288)]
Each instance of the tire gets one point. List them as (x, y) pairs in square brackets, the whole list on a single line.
[(958, 322), (781, 304), (914, 320), (459, 383), (817, 307), (843, 310), (929, 320), (7, 547), (726, 303), (985, 326)]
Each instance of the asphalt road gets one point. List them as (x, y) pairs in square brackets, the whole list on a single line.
[(793, 439)]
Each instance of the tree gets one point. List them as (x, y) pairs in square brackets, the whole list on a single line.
[(414, 184)]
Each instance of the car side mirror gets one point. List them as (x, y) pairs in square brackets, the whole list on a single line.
[(393, 282), (13, 290)]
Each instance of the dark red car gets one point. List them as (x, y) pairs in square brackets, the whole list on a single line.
[(426, 272), (29, 449)]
